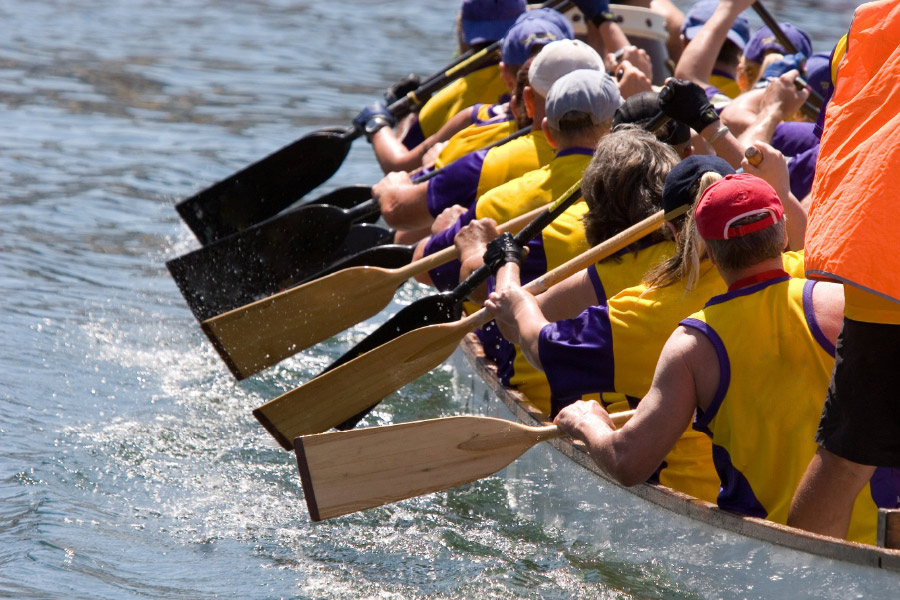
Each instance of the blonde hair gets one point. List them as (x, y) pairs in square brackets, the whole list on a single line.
[(684, 265)]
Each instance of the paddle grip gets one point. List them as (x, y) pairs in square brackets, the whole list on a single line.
[(814, 98), (481, 274)]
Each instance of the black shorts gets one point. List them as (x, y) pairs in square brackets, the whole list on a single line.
[(861, 418)]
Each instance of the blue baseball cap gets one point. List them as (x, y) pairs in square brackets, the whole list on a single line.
[(818, 73), (487, 20), (677, 188), (764, 40), (700, 14), (522, 38), (554, 16)]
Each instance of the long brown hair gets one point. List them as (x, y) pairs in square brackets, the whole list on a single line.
[(623, 183)]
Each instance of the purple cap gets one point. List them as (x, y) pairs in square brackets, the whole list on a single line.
[(764, 41), (487, 20), (818, 73), (522, 38), (554, 16), (700, 14)]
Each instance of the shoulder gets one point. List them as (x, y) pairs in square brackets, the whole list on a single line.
[(828, 305)]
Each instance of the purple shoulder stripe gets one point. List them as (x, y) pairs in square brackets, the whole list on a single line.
[(702, 419), (810, 313)]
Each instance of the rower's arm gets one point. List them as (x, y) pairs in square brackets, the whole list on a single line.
[(392, 155), (631, 454), (517, 313), (699, 57)]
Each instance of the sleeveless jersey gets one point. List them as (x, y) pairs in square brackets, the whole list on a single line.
[(615, 347), (480, 134), (533, 189), (607, 277), (484, 85), (468, 178), (774, 367), (850, 235)]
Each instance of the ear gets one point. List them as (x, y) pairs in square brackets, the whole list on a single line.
[(545, 127), (508, 76), (528, 97)]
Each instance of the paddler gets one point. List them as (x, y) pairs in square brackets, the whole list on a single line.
[(410, 207), (749, 369), (475, 126), (852, 239)]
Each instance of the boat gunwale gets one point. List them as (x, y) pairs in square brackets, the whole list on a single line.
[(683, 504)]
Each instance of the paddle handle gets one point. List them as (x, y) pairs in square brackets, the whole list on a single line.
[(481, 274), (363, 210), (449, 253)]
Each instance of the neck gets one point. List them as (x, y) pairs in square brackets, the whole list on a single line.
[(773, 264)]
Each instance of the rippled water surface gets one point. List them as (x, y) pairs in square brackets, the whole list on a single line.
[(130, 465)]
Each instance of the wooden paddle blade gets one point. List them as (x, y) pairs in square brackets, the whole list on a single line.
[(344, 472), (259, 335), (267, 186), (260, 261), (333, 397)]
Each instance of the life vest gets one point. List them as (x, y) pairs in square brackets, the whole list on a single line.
[(851, 232)]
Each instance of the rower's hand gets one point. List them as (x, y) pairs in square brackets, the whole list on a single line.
[(513, 307), (579, 418), (472, 241), (634, 55), (631, 80), (372, 118), (448, 217), (782, 95), (772, 168), (385, 191), (686, 101)]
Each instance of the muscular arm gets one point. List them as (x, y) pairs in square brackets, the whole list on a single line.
[(517, 313), (699, 57), (568, 298), (631, 455)]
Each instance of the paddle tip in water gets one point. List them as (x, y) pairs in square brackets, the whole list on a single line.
[(306, 480), (272, 429)]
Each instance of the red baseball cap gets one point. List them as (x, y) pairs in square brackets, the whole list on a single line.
[(731, 199)]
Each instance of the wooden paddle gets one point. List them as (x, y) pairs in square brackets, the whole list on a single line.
[(281, 252), (341, 393), (348, 471), (259, 335), (270, 184)]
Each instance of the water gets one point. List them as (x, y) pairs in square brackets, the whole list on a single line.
[(130, 465)]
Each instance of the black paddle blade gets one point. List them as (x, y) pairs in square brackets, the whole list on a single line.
[(258, 263), (363, 237), (432, 310), (386, 256), (347, 197), (267, 186)]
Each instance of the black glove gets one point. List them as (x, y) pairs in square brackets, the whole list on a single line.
[(686, 101), (372, 118), (400, 89), (501, 250)]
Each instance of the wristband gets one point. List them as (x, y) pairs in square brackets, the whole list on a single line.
[(501, 250), (374, 124), (721, 132)]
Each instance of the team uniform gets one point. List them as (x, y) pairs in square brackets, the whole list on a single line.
[(490, 123), (537, 187), (615, 347), (608, 278), (468, 178), (762, 427), (851, 237), (482, 85)]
